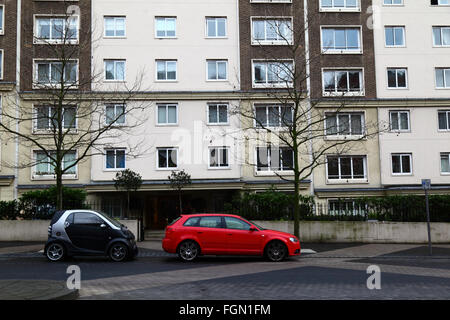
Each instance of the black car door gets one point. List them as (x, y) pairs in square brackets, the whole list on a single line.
[(87, 231)]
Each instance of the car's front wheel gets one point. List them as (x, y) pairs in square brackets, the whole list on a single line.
[(118, 252), (188, 250), (55, 252), (276, 251)]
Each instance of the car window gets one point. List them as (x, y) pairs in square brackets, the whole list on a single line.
[(210, 222), (69, 219), (234, 223), (192, 222), (86, 218)]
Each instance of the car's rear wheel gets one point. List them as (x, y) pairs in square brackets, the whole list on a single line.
[(276, 251), (118, 252), (55, 252), (188, 250)]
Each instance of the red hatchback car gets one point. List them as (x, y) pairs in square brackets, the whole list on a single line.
[(224, 234)]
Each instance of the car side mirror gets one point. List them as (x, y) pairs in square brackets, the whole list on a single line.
[(103, 225), (253, 229)]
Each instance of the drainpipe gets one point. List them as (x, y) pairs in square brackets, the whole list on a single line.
[(17, 99)]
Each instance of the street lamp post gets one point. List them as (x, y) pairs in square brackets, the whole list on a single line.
[(426, 185)]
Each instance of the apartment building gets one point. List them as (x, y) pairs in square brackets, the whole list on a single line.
[(412, 49)]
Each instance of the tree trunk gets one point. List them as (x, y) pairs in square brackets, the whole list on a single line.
[(296, 208), (59, 191)]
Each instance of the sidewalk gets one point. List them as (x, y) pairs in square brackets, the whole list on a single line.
[(35, 290)]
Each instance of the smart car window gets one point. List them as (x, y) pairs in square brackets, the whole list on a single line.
[(233, 223), (70, 218), (191, 222), (86, 218), (210, 222)]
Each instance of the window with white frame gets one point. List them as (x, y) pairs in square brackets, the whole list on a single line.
[(45, 166), (167, 158), (165, 27), (441, 36), (399, 120), (347, 5), (2, 19), (341, 82), (216, 27), (167, 114), (218, 157), (401, 163), (445, 163), (272, 115), (217, 113), (444, 120), (115, 159), (272, 31), (341, 40), (346, 167), (394, 36), (273, 73), (274, 158), (393, 2), (166, 70), (115, 113), (115, 70), (53, 72), (217, 70), (1, 63), (397, 78), (114, 26), (56, 29), (345, 207), (440, 2), (46, 118), (442, 78), (344, 124)]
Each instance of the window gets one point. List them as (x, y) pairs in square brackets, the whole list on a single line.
[(2, 19), (216, 27), (218, 157), (1, 64), (399, 120), (346, 207), (46, 166), (341, 40), (341, 82), (217, 69), (274, 159), (167, 114), (238, 224), (262, 1), (115, 159), (86, 218), (394, 36), (56, 29), (441, 36), (166, 70), (346, 167), (51, 72), (217, 113), (46, 118), (442, 78), (444, 120), (272, 73), (210, 222), (440, 2), (166, 27), (402, 163), (344, 124), (114, 26), (338, 5), (167, 158), (273, 116), (393, 2), (115, 113), (115, 70), (192, 222), (397, 78), (445, 163), (271, 31)]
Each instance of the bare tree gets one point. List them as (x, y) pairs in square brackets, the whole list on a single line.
[(66, 120), (296, 132)]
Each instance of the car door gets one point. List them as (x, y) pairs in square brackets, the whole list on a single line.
[(240, 239), (87, 231), (211, 235)]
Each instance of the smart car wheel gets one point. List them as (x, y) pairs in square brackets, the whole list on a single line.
[(276, 251), (188, 250), (118, 252), (55, 252)]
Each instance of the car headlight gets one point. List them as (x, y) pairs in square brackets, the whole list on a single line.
[(292, 239)]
